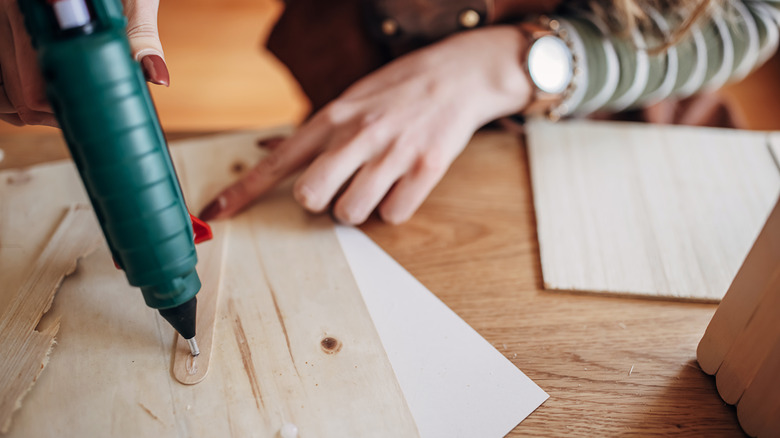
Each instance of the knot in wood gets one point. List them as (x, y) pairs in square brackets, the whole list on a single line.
[(330, 345)]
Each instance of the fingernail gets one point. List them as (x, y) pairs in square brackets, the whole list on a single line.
[(270, 143), (213, 209), (306, 198), (301, 194), (155, 70), (393, 218)]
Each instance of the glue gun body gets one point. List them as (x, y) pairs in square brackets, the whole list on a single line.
[(102, 103)]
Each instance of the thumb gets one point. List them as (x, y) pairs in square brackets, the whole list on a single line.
[(145, 40)]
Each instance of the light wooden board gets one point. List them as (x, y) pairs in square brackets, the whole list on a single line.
[(259, 378), (189, 369), (648, 210), (25, 347)]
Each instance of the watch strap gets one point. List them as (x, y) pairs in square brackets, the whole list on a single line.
[(551, 105)]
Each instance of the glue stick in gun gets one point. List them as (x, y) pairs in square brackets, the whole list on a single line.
[(101, 101)]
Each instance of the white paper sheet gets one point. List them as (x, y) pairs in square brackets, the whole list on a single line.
[(455, 382)]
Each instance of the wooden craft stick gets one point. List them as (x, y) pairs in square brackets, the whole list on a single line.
[(188, 369), (742, 297), (761, 399), (772, 426), (303, 330), (25, 351), (753, 345)]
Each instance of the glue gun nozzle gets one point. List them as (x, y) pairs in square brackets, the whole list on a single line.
[(193, 346)]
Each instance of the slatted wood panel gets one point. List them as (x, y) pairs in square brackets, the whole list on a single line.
[(760, 404), (277, 358), (742, 343), (25, 346), (648, 210), (745, 293)]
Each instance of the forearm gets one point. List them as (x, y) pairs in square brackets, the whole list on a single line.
[(620, 73)]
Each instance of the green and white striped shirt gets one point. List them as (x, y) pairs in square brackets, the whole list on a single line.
[(619, 73)]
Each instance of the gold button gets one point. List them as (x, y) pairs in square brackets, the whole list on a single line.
[(469, 18), (389, 27)]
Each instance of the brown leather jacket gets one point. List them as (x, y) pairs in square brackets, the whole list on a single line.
[(328, 45)]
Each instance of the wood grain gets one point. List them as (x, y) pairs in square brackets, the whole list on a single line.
[(753, 344), (647, 210), (188, 369), (320, 355), (297, 320), (760, 401), (296, 350), (743, 297), (25, 349), (612, 365)]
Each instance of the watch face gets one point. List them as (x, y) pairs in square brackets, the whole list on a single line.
[(550, 64)]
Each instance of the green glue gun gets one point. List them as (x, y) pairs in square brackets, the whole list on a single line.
[(102, 103)]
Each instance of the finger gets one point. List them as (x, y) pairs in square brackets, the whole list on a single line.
[(410, 192), (371, 184), (12, 83), (38, 118), (259, 180), (20, 115), (10, 78), (709, 109), (662, 113), (8, 113), (317, 186), (144, 39), (283, 161), (43, 118), (6, 107), (270, 144), (12, 119), (412, 189), (33, 89)]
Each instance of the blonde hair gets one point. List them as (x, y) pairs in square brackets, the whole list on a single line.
[(623, 16)]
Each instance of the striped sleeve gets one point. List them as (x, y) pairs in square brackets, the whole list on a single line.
[(618, 73)]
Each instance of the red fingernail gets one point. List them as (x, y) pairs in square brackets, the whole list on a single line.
[(270, 143), (155, 70), (213, 209)]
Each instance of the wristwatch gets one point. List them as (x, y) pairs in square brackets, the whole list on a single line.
[(550, 64)]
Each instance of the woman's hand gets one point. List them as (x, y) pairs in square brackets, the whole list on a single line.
[(389, 139), (22, 91)]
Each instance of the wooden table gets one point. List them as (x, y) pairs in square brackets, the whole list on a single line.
[(612, 366)]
